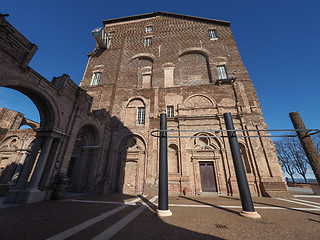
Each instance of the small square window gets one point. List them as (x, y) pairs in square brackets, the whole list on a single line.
[(96, 79), (170, 111), (148, 29), (222, 74), (141, 115), (148, 41), (212, 34)]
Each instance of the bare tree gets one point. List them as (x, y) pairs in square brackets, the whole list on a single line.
[(285, 159), (316, 141), (292, 156)]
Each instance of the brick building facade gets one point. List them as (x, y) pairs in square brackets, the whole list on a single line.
[(189, 67), (97, 137)]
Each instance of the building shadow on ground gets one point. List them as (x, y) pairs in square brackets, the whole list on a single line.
[(212, 205), (46, 219)]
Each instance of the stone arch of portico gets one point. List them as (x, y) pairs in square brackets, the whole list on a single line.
[(42, 98), (42, 93), (30, 123)]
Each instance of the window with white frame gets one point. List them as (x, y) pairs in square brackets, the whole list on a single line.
[(148, 29), (108, 42), (170, 111), (148, 41), (141, 114), (222, 74), (212, 34), (109, 37), (96, 79)]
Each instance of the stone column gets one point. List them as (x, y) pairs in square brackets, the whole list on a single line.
[(37, 173), (24, 175), (19, 168)]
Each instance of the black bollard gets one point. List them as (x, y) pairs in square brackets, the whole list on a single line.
[(163, 206), (245, 195)]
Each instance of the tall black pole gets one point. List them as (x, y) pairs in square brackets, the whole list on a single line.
[(245, 195), (163, 206)]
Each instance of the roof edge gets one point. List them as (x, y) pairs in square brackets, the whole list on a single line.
[(154, 14)]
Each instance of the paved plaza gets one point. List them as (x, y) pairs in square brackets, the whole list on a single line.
[(118, 216)]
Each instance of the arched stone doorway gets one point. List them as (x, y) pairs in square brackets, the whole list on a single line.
[(207, 163)]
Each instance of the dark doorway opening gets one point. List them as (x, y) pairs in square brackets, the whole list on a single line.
[(208, 179)]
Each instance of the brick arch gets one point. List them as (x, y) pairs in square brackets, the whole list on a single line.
[(148, 56), (124, 140), (138, 98), (140, 68), (94, 132), (200, 72), (199, 100), (206, 53)]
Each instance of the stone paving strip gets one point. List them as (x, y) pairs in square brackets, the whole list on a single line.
[(115, 228), (294, 201), (306, 196), (300, 200)]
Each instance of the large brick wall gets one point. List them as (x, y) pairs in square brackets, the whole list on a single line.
[(181, 65)]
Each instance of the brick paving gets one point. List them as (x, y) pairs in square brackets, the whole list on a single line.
[(194, 217)]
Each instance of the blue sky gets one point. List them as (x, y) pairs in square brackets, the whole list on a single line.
[(278, 42)]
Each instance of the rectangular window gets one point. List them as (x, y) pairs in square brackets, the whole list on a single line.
[(148, 41), (148, 29), (108, 38), (212, 34), (96, 79), (108, 42), (141, 115), (222, 74), (170, 111)]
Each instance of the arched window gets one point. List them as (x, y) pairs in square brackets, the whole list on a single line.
[(173, 159), (244, 154), (140, 72), (135, 113)]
